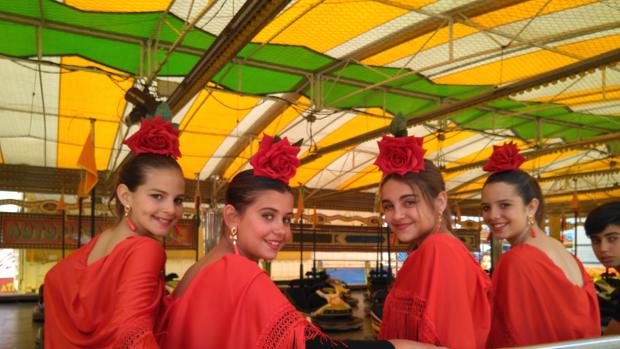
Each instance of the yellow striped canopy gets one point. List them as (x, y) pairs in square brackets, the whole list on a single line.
[(325, 71)]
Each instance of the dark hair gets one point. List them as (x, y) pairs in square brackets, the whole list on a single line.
[(244, 188), (132, 173), (429, 182), (526, 186), (601, 217)]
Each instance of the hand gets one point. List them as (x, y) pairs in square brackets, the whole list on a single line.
[(407, 344)]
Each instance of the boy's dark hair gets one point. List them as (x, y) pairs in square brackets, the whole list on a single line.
[(601, 217)]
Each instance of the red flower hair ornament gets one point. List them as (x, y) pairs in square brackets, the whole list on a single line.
[(155, 136), (504, 158), (276, 159), (400, 155)]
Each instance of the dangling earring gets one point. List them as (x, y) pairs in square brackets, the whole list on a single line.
[(438, 225), (131, 225), (530, 222), (233, 239)]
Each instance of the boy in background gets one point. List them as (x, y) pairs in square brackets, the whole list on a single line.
[(603, 228)]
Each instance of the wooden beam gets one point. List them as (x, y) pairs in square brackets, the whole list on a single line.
[(50, 180)]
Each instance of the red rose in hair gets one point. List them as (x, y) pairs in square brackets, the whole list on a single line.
[(400, 155), (504, 158), (275, 159), (155, 136)]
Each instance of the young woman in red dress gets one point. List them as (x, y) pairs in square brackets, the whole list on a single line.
[(108, 293), (225, 300), (441, 295), (541, 292)]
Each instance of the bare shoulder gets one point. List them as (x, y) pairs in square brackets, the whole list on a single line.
[(554, 249), (194, 270), (560, 256), (102, 247)]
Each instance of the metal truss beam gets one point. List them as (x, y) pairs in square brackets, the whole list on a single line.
[(246, 23), (570, 70)]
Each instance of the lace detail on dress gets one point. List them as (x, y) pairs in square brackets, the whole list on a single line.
[(404, 317), (134, 335), (288, 329)]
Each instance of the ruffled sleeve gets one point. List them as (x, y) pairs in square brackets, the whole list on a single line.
[(283, 326)]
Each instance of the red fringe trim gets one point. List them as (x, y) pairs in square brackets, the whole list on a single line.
[(139, 335), (404, 317), (289, 329)]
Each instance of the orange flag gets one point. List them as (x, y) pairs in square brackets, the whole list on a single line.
[(87, 162)]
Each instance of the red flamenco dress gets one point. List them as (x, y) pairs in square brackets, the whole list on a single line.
[(441, 296), (111, 303), (232, 303), (535, 303)]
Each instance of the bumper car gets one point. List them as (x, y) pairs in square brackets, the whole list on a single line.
[(376, 309), (335, 314), (343, 289), (378, 285), (321, 298), (171, 280)]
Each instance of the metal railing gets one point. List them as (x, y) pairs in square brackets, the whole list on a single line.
[(605, 342)]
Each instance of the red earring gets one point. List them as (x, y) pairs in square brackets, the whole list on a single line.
[(530, 221), (393, 239), (490, 236), (131, 225), (437, 228)]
